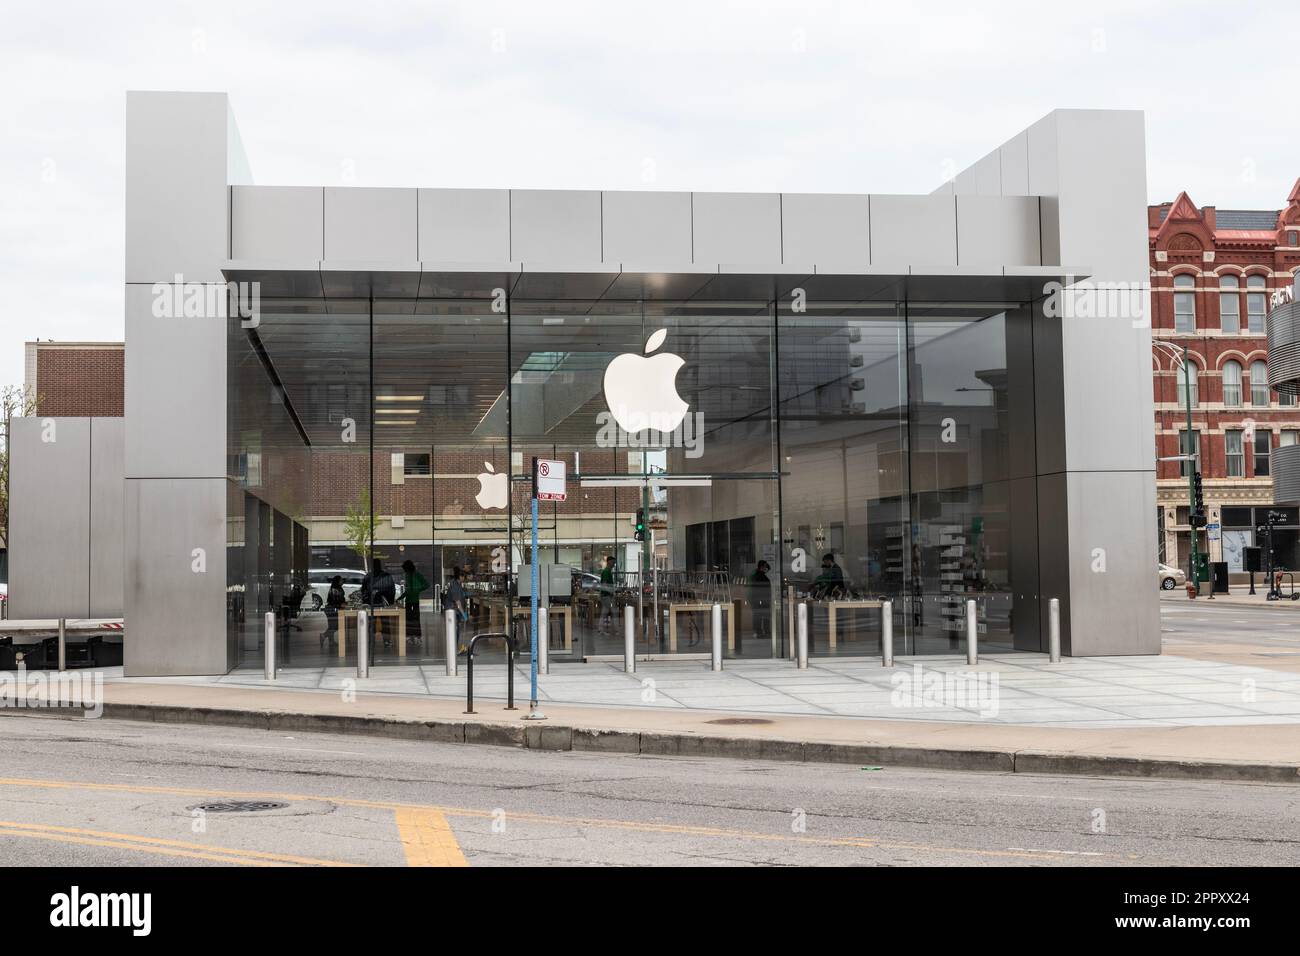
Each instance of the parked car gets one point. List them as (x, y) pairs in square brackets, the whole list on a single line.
[(1170, 578), (319, 579)]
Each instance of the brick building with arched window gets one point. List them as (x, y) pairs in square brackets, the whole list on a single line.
[(1213, 272)]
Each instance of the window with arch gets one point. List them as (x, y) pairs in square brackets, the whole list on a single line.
[(1184, 304), (1259, 383), (1229, 304), (1256, 305), (1187, 385), (1231, 383)]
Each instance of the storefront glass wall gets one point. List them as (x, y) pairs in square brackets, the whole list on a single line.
[(840, 453)]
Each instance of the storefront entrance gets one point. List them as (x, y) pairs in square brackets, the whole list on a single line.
[(723, 448)]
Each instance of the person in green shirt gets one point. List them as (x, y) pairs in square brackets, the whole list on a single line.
[(415, 585), (607, 592)]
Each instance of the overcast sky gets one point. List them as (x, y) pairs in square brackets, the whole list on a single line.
[(798, 96)]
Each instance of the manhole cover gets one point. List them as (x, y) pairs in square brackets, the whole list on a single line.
[(740, 720), (239, 806)]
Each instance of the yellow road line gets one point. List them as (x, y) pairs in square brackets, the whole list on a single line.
[(157, 844), (427, 838), (723, 832)]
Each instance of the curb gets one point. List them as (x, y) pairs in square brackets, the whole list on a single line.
[(561, 737)]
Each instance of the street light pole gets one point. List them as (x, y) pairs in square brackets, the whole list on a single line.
[(1194, 461), (1192, 457)]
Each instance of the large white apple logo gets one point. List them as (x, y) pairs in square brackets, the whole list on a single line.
[(642, 392), (492, 491)]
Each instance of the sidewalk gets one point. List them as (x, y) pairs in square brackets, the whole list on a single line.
[(1011, 689), (1176, 717), (1258, 753)]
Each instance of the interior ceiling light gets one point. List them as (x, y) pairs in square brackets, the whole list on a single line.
[(397, 411), (399, 398)]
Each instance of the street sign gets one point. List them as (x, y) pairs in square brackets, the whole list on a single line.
[(1212, 531), (550, 480)]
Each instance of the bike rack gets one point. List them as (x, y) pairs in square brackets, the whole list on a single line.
[(510, 670)]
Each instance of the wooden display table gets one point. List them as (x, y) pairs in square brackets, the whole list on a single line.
[(833, 606), (728, 611), (376, 612), (564, 610)]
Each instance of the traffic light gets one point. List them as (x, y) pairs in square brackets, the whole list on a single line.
[(1197, 494), (640, 524)]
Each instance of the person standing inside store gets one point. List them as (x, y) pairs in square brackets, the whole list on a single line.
[(378, 589), (335, 598), (455, 599), (830, 583), (607, 593), (415, 585)]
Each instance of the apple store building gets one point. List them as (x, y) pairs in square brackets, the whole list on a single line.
[(336, 395)]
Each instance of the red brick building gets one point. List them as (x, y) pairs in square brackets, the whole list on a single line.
[(1213, 272), (75, 379)]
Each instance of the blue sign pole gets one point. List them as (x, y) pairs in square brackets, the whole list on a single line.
[(533, 616)]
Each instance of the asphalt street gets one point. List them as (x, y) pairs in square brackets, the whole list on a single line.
[(111, 792)]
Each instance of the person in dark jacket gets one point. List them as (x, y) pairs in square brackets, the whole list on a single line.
[(378, 589), (455, 599), (414, 585), (830, 583), (335, 598)]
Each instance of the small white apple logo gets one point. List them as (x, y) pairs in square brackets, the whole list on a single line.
[(642, 392), (492, 491)]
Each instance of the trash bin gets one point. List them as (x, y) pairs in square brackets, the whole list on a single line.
[(1219, 577)]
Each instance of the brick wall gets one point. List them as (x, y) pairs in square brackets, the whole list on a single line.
[(79, 380)]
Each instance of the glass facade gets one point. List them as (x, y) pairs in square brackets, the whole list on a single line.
[(842, 454)]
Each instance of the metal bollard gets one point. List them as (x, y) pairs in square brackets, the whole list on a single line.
[(363, 644), (629, 641), (887, 634), (717, 636), (543, 639), (449, 632), (63, 643), (1054, 630), (801, 647), (789, 618), (972, 635), (268, 640)]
